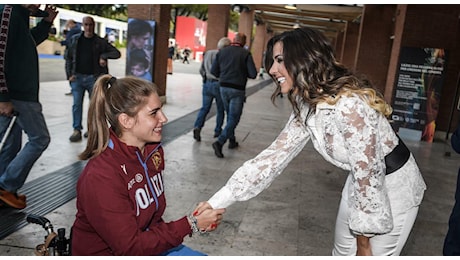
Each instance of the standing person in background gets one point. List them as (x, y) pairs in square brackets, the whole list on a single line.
[(186, 52), (210, 92), (72, 28), (111, 37), (452, 240), (121, 192), (87, 60), (19, 93), (171, 51), (346, 119), (233, 66)]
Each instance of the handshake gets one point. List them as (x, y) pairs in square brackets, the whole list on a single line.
[(204, 218)]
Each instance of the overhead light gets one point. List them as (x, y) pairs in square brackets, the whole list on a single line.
[(236, 8), (239, 8), (296, 25), (290, 6)]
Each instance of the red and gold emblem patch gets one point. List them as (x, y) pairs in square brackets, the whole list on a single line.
[(157, 160)]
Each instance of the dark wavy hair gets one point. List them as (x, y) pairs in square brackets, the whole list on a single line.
[(317, 76)]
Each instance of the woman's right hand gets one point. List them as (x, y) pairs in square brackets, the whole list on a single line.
[(202, 206)]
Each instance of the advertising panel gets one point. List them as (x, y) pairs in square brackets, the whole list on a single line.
[(417, 92), (140, 48)]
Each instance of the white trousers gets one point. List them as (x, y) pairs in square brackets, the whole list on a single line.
[(387, 244)]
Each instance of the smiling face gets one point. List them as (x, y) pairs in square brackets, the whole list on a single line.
[(147, 125), (278, 69)]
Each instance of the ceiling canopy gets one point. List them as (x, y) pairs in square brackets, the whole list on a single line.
[(328, 18)]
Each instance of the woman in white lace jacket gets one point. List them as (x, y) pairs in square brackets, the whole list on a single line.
[(346, 121)]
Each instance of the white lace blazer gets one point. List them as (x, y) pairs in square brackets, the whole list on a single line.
[(352, 136)]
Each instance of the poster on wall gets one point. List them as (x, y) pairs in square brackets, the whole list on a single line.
[(417, 92), (139, 48)]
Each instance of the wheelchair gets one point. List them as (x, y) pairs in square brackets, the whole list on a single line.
[(55, 244)]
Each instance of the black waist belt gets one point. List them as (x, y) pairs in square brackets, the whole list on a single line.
[(397, 158)]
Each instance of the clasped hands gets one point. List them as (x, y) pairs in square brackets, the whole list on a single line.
[(207, 218)]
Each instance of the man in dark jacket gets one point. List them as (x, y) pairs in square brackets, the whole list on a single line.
[(87, 60), (210, 92), (233, 66), (72, 28), (452, 240), (19, 86)]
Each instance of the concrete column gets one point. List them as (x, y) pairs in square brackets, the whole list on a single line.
[(339, 45), (333, 41), (161, 14), (375, 42), (246, 24), (350, 44), (120, 36), (218, 20), (258, 45), (101, 29), (268, 35), (400, 19), (57, 25)]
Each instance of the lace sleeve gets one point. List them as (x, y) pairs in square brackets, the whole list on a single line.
[(258, 173), (368, 198)]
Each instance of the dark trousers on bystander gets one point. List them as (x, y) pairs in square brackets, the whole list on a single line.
[(452, 240)]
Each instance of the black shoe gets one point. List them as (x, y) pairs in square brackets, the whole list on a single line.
[(218, 149), (196, 134), (76, 136), (69, 93), (232, 145), (86, 135), (216, 135)]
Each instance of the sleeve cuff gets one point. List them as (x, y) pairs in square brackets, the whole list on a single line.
[(221, 199)]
